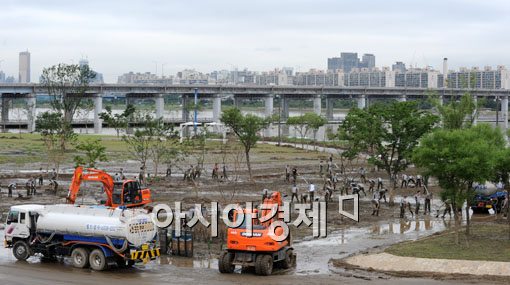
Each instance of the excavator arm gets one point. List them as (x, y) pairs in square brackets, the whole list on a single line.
[(91, 175)]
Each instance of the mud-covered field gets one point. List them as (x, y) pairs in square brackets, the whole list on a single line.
[(316, 257)]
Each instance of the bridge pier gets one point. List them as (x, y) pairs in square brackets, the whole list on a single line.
[(31, 114), (5, 109), (317, 104), (160, 106), (268, 104), (329, 108), (98, 108), (285, 108), (217, 108), (185, 111), (362, 102)]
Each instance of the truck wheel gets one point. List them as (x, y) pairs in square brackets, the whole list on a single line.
[(21, 250), (225, 262), (97, 260), (264, 265), (287, 262), (80, 257)]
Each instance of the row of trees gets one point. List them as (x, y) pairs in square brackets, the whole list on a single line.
[(443, 143)]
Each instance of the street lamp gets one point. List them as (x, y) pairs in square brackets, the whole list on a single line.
[(497, 111), (279, 119)]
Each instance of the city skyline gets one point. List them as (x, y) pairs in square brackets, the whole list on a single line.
[(198, 35)]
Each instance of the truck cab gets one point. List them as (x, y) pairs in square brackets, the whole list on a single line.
[(18, 223)]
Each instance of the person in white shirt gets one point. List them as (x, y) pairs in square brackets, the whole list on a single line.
[(404, 181), (311, 191), (294, 191)]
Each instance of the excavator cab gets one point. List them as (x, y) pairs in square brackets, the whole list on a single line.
[(127, 193), (256, 249)]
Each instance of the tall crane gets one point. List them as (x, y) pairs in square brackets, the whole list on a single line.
[(127, 193)]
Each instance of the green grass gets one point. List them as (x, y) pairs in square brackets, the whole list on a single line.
[(487, 242), (29, 148)]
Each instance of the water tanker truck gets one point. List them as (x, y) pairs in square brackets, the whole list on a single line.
[(94, 236)]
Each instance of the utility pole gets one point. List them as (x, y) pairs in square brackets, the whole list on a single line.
[(195, 119), (279, 120), (497, 111)]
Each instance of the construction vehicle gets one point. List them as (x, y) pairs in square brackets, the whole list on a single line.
[(127, 193), (94, 236), (258, 250)]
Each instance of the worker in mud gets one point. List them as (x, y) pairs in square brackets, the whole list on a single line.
[(53, 174), (28, 187), (287, 173), (215, 171), (379, 183), (417, 198), (41, 177), (265, 194), (371, 184), (141, 176), (404, 181), (10, 188), (403, 205), (122, 176), (294, 175), (328, 188), (411, 182), (294, 191), (375, 205), (419, 181), (168, 173), (382, 195), (321, 168), (447, 204), (428, 198), (225, 172), (334, 180), (311, 192), (362, 175), (33, 187)]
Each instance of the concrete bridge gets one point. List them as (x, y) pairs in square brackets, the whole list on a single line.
[(363, 96)]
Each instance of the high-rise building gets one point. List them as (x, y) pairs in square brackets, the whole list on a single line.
[(370, 77), (349, 60), (399, 66), (368, 61), (475, 77), (417, 78), (334, 63), (24, 67), (2, 77)]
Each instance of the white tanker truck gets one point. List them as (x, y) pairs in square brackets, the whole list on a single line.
[(94, 236)]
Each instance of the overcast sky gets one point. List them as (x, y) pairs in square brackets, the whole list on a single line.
[(123, 36)]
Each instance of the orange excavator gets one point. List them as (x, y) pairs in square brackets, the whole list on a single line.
[(257, 250), (127, 193)]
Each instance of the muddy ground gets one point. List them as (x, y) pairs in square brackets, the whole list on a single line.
[(317, 258)]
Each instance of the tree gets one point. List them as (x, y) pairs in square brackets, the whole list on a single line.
[(49, 125), (66, 85), (457, 114), (389, 132), (458, 158), (150, 141), (118, 121), (93, 152), (245, 127), (503, 173), (306, 122)]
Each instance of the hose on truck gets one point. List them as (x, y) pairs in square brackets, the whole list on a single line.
[(118, 251)]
